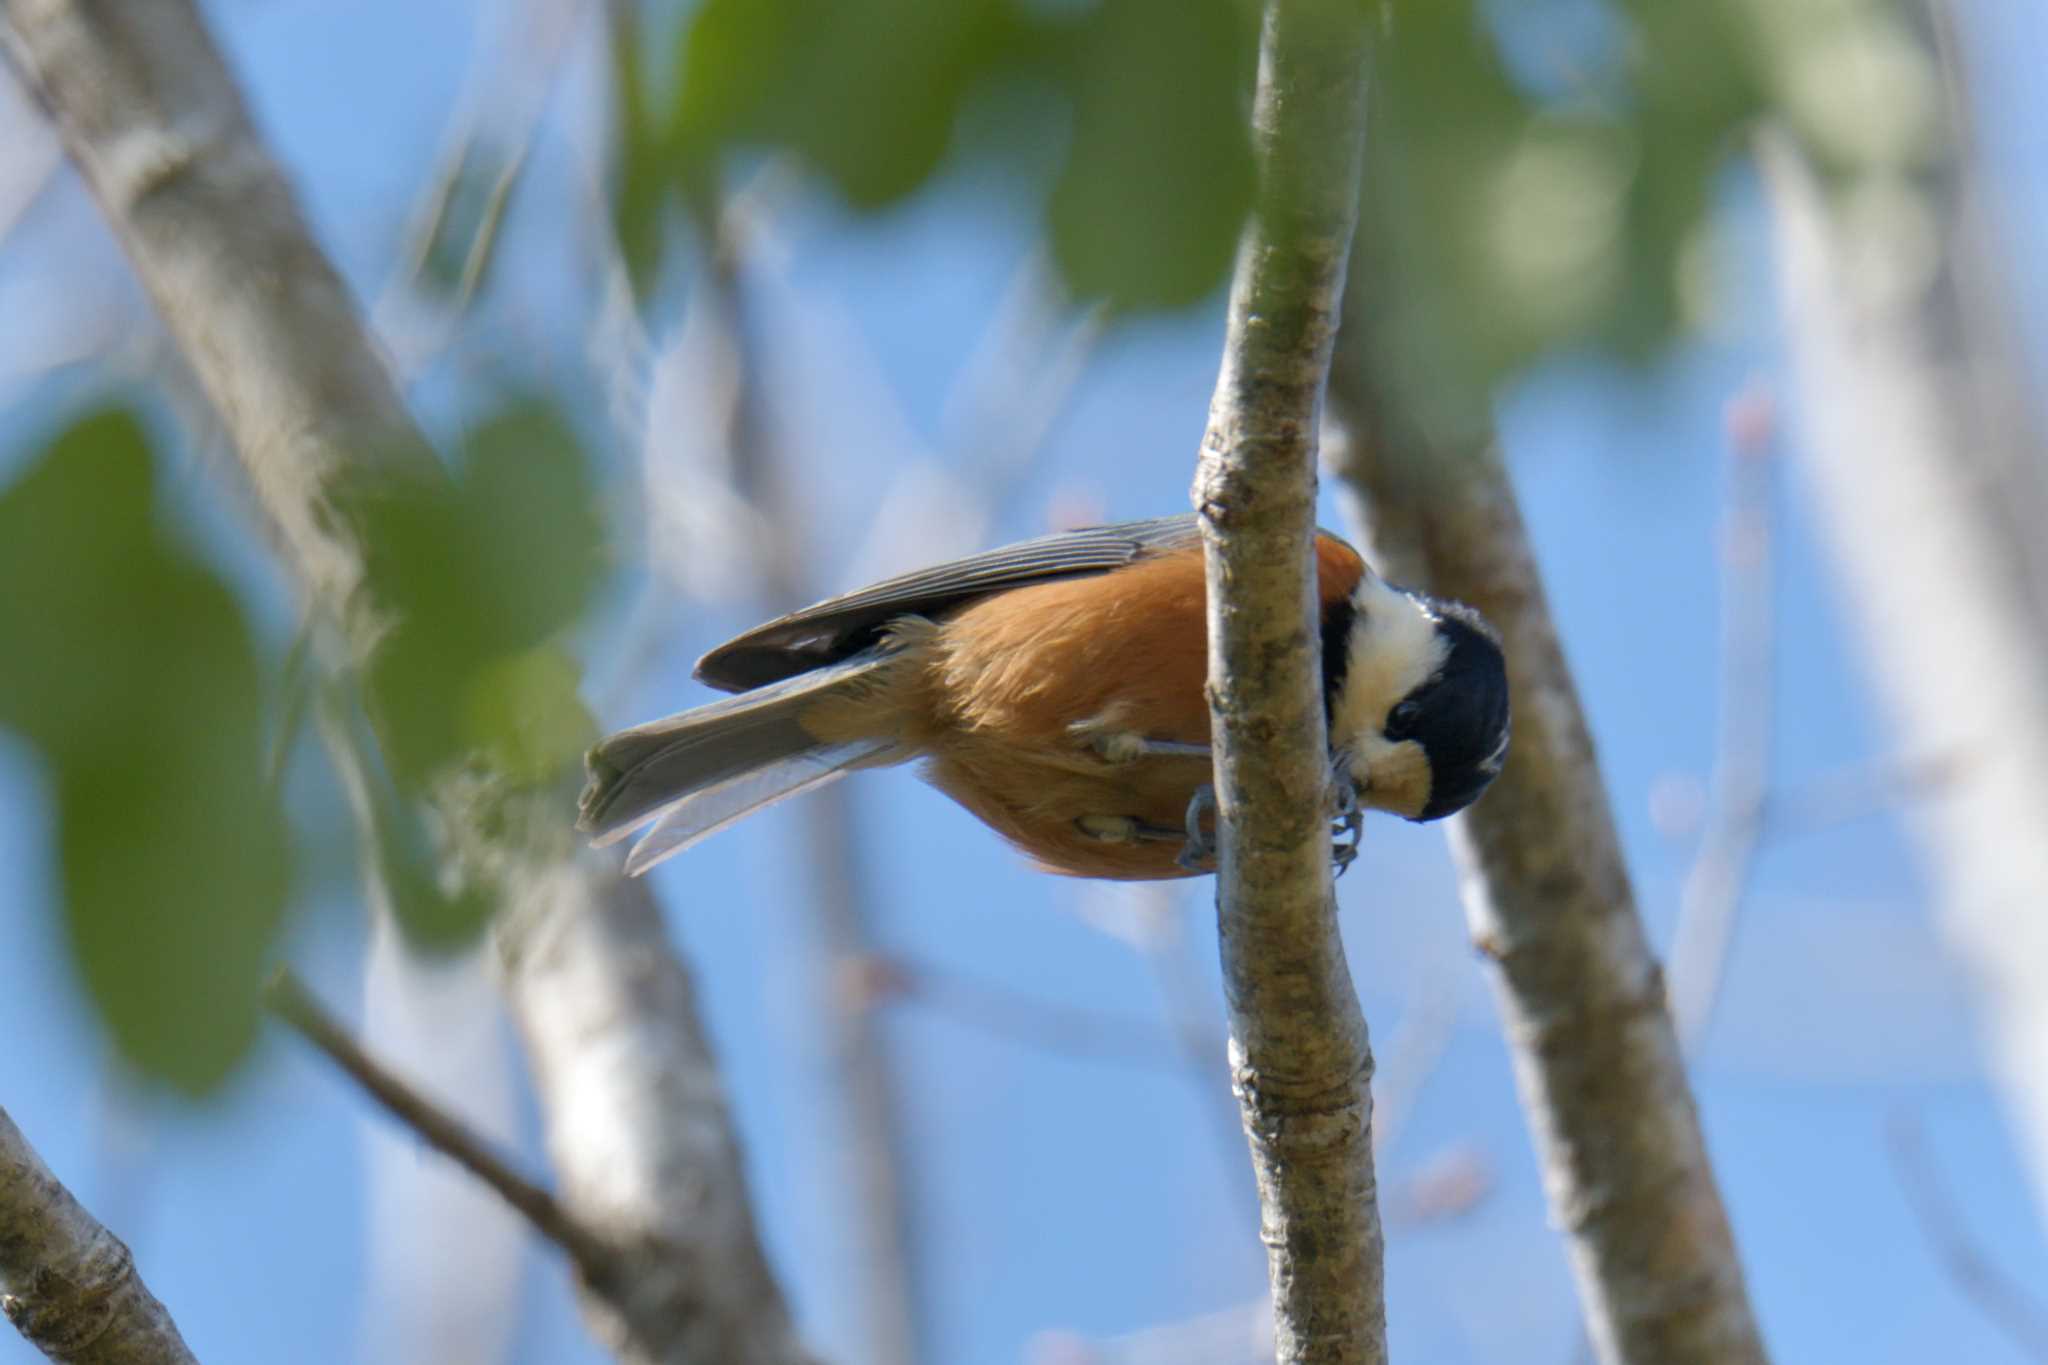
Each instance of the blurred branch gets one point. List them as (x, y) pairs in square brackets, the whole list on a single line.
[(1412, 1056), (1739, 789), (453, 233), (2022, 1318), (1239, 1335), (1000, 1012), (1300, 1060), (30, 161), (288, 998), (1190, 1010), (67, 1284), (1547, 894), (880, 1268), (1927, 487), (637, 1120), (1859, 790)]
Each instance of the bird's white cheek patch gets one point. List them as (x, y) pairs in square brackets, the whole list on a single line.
[(1397, 651)]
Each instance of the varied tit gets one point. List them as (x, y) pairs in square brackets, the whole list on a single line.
[(1055, 689)]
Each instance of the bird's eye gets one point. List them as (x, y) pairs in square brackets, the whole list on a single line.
[(1404, 717)]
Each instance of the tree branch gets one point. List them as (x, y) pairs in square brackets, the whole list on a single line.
[(290, 1000), (1300, 1060), (2001, 1299), (878, 1262), (1925, 482), (67, 1284), (637, 1123), (1548, 899)]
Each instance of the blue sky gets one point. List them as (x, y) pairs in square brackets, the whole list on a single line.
[(1059, 1193)]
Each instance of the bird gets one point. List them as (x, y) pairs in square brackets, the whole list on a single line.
[(1055, 688)]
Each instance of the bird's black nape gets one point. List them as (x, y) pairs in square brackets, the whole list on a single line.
[(1338, 617)]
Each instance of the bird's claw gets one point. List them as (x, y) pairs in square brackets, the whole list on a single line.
[(1199, 853), (1347, 823)]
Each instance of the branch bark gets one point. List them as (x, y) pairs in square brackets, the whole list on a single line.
[(636, 1118), (1548, 898), (67, 1284), (1301, 1062)]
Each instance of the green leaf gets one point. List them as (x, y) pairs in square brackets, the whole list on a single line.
[(478, 573), (640, 193), (1148, 209), (525, 712), (132, 670), (1519, 223), (867, 92), (478, 569)]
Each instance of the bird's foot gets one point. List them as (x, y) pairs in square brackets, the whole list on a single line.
[(1347, 823), (1199, 853), (1128, 746)]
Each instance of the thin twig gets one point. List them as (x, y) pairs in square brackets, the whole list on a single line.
[(289, 999), (999, 1012), (494, 136), (1190, 1010), (1740, 786), (1411, 1057), (1861, 790), (2001, 1299)]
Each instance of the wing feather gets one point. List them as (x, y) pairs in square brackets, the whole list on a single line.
[(841, 626)]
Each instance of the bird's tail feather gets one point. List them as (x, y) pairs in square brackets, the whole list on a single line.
[(696, 772), (705, 812)]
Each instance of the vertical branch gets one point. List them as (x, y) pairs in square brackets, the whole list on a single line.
[(1926, 487), (1548, 899), (636, 1116), (67, 1284), (863, 1090), (1300, 1060)]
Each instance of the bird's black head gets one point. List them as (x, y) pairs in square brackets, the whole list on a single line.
[(1459, 716)]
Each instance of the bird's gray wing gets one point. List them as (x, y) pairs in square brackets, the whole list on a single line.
[(843, 626)]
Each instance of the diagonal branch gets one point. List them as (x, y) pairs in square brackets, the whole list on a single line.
[(1548, 897), (289, 999), (1300, 1060), (637, 1122), (67, 1284)]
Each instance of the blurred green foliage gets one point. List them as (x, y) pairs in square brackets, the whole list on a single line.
[(131, 670), (479, 574), (1545, 195), (1540, 174), (1151, 98), (1158, 176)]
